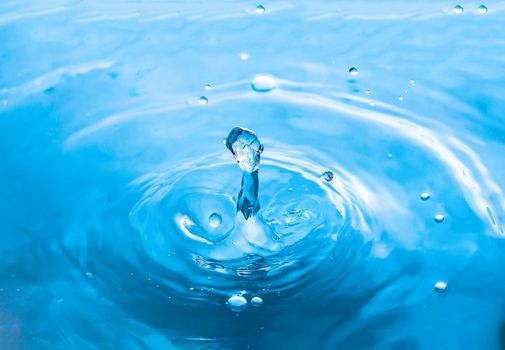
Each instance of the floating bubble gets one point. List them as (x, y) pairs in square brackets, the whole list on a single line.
[(203, 100), (482, 9), (260, 9), (327, 176), (215, 220), (458, 9), (439, 218), (353, 71), (263, 83), (244, 56), (440, 287), (208, 87), (425, 196), (256, 301), (237, 303)]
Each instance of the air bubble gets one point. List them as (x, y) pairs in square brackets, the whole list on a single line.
[(439, 218), (215, 220), (260, 9), (327, 176), (482, 9), (203, 100), (263, 83), (256, 301), (425, 196), (353, 71), (458, 9), (237, 303), (440, 287)]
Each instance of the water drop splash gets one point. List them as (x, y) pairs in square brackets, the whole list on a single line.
[(482, 9), (425, 196), (237, 303), (458, 9), (246, 148), (439, 218), (264, 83), (327, 176), (353, 71), (260, 9), (203, 100), (215, 220), (256, 301), (440, 287)]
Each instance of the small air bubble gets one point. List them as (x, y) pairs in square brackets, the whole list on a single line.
[(482, 9), (440, 287), (327, 176), (353, 71), (458, 9), (256, 301), (425, 196), (390, 156), (215, 220), (203, 100), (260, 9), (439, 218)]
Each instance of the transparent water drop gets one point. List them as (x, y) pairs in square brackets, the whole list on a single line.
[(290, 189), (244, 56), (440, 287), (260, 9), (482, 9), (412, 82), (237, 303), (203, 100), (215, 220), (458, 9), (353, 71), (245, 147), (263, 83), (327, 176), (390, 156), (367, 92), (256, 301), (425, 196), (400, 98), (439, 218), (208, 87)]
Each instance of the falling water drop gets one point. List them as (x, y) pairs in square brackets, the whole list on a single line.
[(439, 218), (203, 100), (482, 9), (458, 9), (256, 301), (237, 303), (215, 220), (327, 176), (353, 71), (260, 9), (440, 287), (263, 83), (425, 196)]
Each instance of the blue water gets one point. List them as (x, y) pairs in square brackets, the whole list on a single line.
[(118, 199)]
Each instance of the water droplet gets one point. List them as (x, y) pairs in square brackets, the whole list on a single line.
[(353, 71), (439, 218), (425, 196), (327, 176), (244, 56), (237, 303), (215, 220), (367, 92), (260, 9), (372, 104), (245, 147), (291, 189), (390, 156), (482, 9), (208, 87), (191, 288), (440, 287), (263, 83), (412, 82), (458, 9), (256, 301), (203, 100), (400, 98)]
